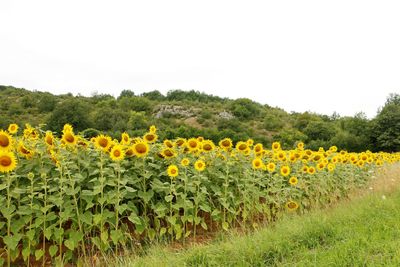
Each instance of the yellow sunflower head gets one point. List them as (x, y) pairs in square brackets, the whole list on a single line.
[(153, 129), (6, 141), (180, 142), (168, 143), (172, 171), (293, 180), (125, 139), (276, 146), (67, 128), (13, 128), (311, 170), (225, 143), (193, 144), (200, 165), (168, 153), (68, 138), (257, 163), (24, 151), (49, 138), (285, 170), (292, 205), (150, 137), (242, 146), (271, 167), (331, 167), (8, 161), (250, 142), (258, 148), (185, 162), (207, 146), (103, 142), (140, 149), (117, 153), (300, 145)]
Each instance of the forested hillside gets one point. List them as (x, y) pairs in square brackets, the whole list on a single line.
[(191, 113)]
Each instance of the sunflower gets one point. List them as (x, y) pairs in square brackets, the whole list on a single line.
[(331, 167), (311, 170), (293, 180), (8, 161), (150, 137), (276, 146), (24, 151), (207, 146), (180, 142), (103, 142), (271, 167), (6, 141), (200, 139), (285, 170), (129, 152), (168, 143), (185, 162), (242, 146), (257, 163), (49, 138), (141, 149), (320, 166), (13, 128), (172, 171), (281, 156), (153, 129), (67, 128), (125, 139), (250, 142), (69, 138), (200, 165), (360, 163), (291, 205), (258, 148), (117, 153), (300, 145), (304, 169), (193, 144), (225, 143), (168, 153)]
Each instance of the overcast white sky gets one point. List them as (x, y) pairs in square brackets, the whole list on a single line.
[(322, 56)]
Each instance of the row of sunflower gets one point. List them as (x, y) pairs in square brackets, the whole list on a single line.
[(70, 196)]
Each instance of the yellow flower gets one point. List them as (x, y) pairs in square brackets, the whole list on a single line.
[(207, 146), (24, 151), (180, 142), (276, 146), (6, 141), (129, 152), (320, 166), (13, 128), (103, 142), (300, 145), (331, 167), (225, 143), (258, 148), (117, 153), (257, 163), (242, 146), (69, 138), (291, 205), (8, 161), (140, 149), (125, 139), (250, 142), (193, 144), (304, 169), (168, 153), (185, 162), (293, 180), (285, 170), (200, 165), (311, 170), (150, 137), (153, 129), (168, 143), (172, 171), (67, 128), (271, 167), (49, 138)]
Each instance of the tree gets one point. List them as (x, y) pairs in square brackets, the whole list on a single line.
[(386, 126), (72, 111)]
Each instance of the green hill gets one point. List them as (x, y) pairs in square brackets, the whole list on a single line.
[(192, 113)]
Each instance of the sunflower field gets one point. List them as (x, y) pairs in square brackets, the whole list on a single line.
[(63, 198)]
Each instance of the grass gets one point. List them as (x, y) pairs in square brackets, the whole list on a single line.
[(362, 232)]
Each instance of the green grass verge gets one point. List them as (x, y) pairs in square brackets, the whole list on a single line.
[(363, 232)]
